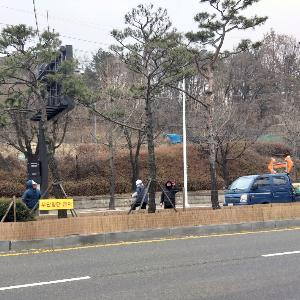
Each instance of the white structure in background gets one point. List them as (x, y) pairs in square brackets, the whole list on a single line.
[(185, 194)]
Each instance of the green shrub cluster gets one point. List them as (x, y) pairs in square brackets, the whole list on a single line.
[(23, 214)]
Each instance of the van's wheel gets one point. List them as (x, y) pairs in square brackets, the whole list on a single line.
[(266, 203)]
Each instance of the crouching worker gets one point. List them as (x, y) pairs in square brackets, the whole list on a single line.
[(32, 194), (168, 194), (140, 195)]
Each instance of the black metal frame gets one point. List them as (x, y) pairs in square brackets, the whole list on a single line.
[(57, 103)]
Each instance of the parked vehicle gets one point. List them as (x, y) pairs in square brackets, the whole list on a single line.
[(261, 189)]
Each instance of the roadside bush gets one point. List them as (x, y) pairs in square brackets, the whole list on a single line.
[(9, 188), (22, 212), (272, 149), (204, 184), (89, 186), (88, 175), (10, 163)]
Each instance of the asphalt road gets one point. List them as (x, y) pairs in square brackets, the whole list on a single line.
[(216, 267)]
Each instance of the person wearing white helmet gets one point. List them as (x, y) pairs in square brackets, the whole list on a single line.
[(141, 198)]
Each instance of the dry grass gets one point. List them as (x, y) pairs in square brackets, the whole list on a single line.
[(85, 169)]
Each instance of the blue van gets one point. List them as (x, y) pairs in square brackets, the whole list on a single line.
[(260, 189)]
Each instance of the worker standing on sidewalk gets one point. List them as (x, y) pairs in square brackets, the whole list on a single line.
[(168, 195), (32, 194), (139, 194)]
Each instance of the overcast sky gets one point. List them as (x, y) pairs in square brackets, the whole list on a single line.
[(86, 24)]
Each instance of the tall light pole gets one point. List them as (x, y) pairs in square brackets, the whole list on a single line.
[(185, 194)]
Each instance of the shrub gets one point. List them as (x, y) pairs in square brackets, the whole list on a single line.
[(272, 149), (9, 188), (23, 214), (89, 174), (10, 163), (90, 186)]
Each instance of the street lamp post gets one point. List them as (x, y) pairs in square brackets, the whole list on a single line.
[(185, 194)]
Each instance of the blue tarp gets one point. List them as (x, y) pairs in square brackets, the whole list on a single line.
[(174, 138)]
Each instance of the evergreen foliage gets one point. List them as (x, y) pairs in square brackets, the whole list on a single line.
[(23, 214)]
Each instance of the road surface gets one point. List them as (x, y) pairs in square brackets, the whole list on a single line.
[(261, 265)]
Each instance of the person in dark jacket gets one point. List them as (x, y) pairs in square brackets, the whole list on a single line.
[(140, 196), (32, 194), (168, 194)]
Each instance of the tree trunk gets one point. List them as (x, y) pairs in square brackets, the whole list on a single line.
[(52, 163), (136, 162), (134, 158), (135, 171), (76, 167), (136, 168), (213, 176), (224, 166), (151, 156), (212, 142), (225, 173), (112, 177)]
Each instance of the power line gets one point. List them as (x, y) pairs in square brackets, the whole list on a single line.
[(70, 37), (61, 19), (83, 40), (36, 20)]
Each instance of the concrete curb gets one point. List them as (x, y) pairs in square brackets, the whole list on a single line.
[(138, 235)]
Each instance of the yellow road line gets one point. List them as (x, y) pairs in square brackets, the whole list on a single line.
[(41, 251)]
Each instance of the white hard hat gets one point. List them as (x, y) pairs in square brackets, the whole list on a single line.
[(139, 181)]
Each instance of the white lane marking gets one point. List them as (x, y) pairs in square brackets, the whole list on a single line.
[(280, 254), (42, 283)]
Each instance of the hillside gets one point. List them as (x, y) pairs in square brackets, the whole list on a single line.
[(85, 169)]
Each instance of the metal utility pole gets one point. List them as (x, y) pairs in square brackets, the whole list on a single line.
[(185, 194)]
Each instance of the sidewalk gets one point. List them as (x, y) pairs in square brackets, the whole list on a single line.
[(124, 200), (96, 211)]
